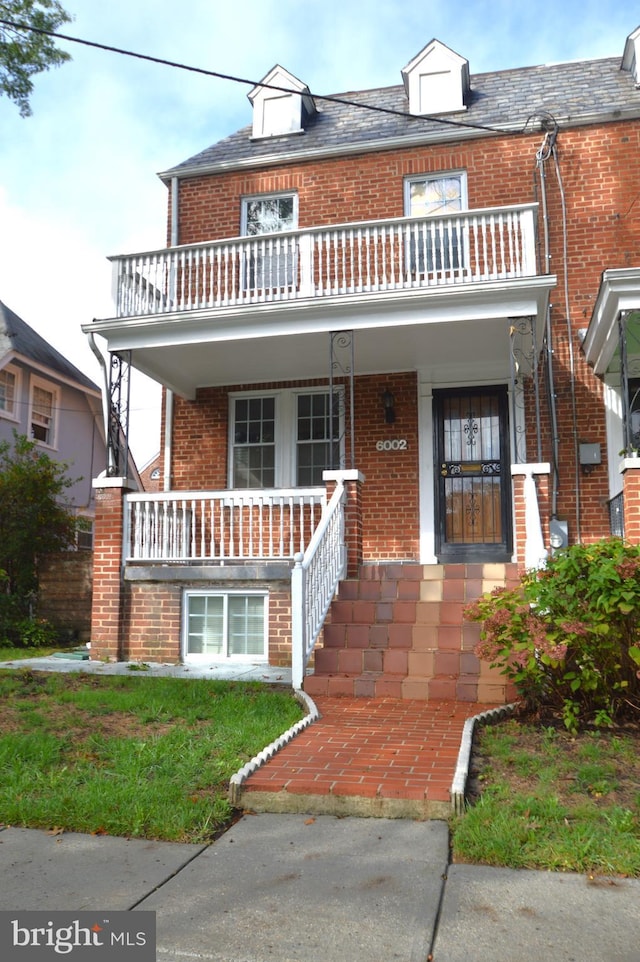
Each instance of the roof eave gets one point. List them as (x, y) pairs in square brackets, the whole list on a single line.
[(446, 135)]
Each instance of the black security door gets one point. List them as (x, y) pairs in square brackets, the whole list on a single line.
[(473, 490)]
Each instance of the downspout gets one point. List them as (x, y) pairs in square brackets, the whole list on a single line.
[(168, 431), (168, 402), (105, 396), (572, 368), (542, 156)]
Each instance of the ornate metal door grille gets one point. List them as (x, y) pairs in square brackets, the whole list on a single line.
[(473, 491)]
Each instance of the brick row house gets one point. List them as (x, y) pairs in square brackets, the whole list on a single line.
[(398, 332)]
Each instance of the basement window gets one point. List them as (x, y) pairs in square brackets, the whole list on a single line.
[(225, 625)]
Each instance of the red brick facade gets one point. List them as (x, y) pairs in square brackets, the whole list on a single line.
[(592, 183), (599, 179)]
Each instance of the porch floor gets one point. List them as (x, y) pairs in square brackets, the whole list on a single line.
[(383, 757)]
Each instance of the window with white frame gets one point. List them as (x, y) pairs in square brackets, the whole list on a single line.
[(254, 442), (9, 392), (435, 245), (220, 625), (285, 438), (43, 413), (271, 262)]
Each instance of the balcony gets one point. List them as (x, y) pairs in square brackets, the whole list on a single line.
[(247, 310), (373, 257)]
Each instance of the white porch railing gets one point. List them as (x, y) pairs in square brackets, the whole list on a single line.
[(314, 581), (221, 526), (369, 257)]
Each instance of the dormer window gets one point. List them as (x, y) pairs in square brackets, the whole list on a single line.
[(631, 55), (436, 81), (276, 112)]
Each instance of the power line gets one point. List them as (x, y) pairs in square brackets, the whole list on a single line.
[(253, 83)]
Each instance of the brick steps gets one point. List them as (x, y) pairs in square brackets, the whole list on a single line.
[(398, 631)]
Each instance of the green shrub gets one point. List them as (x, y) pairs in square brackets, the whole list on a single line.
[(569, 635), (35, 633)]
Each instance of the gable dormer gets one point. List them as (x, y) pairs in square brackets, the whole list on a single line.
[(631, 55), (276, 111), (436, 80)]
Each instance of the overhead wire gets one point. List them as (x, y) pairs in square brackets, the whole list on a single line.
[(446, 121)]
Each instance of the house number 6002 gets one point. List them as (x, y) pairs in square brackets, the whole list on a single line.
[(397, 444)]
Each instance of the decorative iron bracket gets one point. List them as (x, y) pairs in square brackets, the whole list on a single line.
[(118, 418)]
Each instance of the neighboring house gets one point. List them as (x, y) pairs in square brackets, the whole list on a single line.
[(150, 475), (46, 398), (400, 348)]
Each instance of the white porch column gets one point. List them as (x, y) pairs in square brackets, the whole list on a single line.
[(535, 552)]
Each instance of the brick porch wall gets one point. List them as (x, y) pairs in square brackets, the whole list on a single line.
[(107, 608)]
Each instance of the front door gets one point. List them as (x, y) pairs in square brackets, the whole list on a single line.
[(473, 490)]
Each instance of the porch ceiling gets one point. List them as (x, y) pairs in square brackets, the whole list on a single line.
[(619, 292), (442, 330)]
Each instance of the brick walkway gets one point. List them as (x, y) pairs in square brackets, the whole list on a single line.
[(383, 756)]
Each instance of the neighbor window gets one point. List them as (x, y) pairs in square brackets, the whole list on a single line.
[(43, 408), (271, 263), (8, 392), (284, 439), (435, 245), (225, 625)]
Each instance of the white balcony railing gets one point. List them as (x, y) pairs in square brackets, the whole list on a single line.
[(370, 257), (221, 526)]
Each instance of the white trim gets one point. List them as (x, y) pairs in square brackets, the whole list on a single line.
[(612, 398), (224, 654), (349, 474), (426, 472), (538, 467)]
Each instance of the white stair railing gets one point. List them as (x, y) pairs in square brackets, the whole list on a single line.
[(314, 580)]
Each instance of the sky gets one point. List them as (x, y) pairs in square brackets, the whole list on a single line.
[(78, 179)]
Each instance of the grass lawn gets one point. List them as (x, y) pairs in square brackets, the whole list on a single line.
[(549, 800), (130, 755), (19, 654)]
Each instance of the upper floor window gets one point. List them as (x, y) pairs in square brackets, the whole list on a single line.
[(436, 245), (273, 262), (283, 439), (43, 413), (269, 213), (8, 392)]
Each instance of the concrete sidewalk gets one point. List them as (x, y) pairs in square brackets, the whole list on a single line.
[(223, 670), (293, 888)]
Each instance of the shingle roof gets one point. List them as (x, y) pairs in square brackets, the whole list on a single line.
[(573, 93), (16, 335)]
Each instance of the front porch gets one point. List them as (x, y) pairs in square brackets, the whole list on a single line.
[(385, 629)]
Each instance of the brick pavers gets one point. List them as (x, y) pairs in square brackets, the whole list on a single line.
[(382, 755)]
